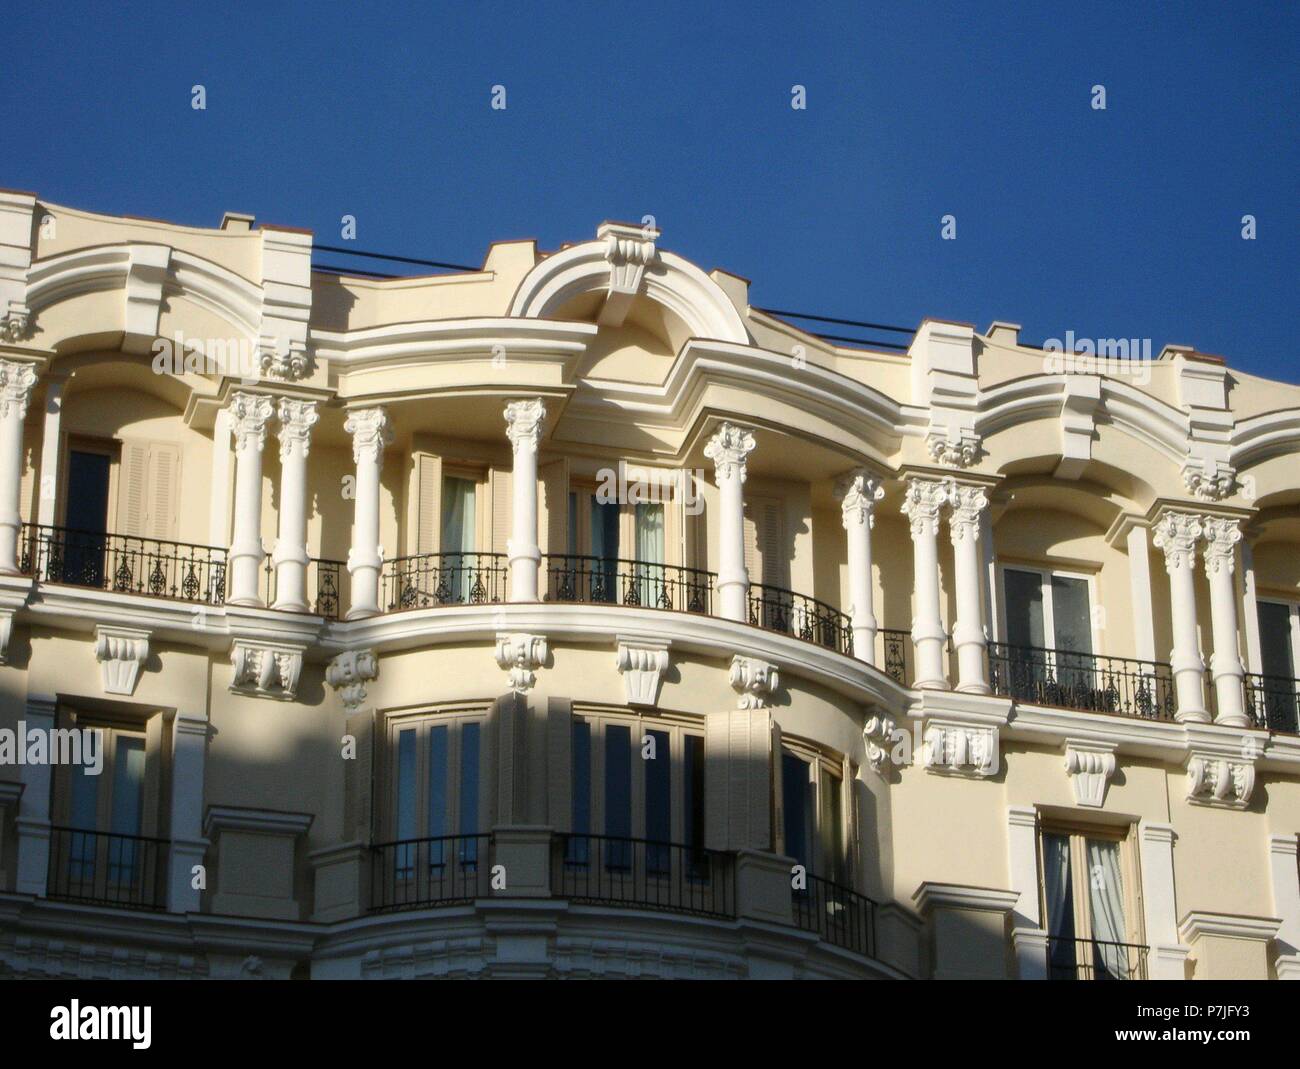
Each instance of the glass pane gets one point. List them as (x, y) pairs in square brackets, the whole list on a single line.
[(457, 537), (1058, 896), (573, 523), (650, 556), (578, 849), (85, 796), (404, 825), (1071, 618), (795, 789), (1024, 593), (1106, 906), (618, 794), (658, 802), (833, 827), (469, 777), (693, 786), (127, 808), (604, 547), (438, 743), (1275, 639), (82, 559)]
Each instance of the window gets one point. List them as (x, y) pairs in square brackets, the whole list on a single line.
[(1279, 648), (603, 533), (1090, 904), (458, 511), (86, 516), (1048, 624), (812, 813)]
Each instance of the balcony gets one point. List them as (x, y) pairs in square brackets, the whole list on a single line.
[(1089, 682), (608, 581), (104, 869), (1094, 959), (419, 873), (432, 579), (325, 579), (775, 609), (124, 564), (837, 914), (1273, 702)]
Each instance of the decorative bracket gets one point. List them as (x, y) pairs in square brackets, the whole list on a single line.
[(521, 655), (755, 681), (17, 323), (642, 664), (1213, 779), (263, 670), (121, 653), (1208, 479), (954, 447), (628, 249), (877, 733), (349, 673), (283, 358), (1090, 765), (957, 748)]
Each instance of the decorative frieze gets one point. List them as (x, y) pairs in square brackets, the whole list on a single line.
[(642, 664), (1090, 766), (521, 655), (348, 674), (1214, 779), (265, 670), (121, 653), (961, 749), (755, 681)]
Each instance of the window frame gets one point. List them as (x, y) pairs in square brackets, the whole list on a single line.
[(1078, 833), (825, 766), (1046, 573), (421, 722), (1293, 624)]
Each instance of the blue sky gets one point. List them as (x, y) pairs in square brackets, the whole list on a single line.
[(1117, 223)]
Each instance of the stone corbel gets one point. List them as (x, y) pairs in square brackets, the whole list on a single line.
[(349, 673), (642, 664), (121, 653), (17, 323), (755, 681), (1079, 408), (877, 734), (1208, 479), (521, 655), (628, 249), (952, 446), (956, 748), (283, 358), (145, 276), (1090, 766), (1219, 780), (264, 670)]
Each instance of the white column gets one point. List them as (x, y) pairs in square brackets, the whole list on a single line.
[(1286, 904), (992, 595), (248, 416), (371, 431), (1177, 534), (51, 447), (16, 382), (1221, 538), (1139, 577), (33, 823), (921, 504), (296, 421), (188, 847), (219, 495), (858, 494), (728, 450), (1167, 957), (1250, 610), (524, 420), (969, 634)]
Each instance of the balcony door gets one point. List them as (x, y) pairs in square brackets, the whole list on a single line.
[(1048, 624), (459, 513), (1279, 648), (86, 517)]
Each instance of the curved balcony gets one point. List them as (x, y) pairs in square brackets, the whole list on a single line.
[(431, 579), (777, 609), (612, 581), (1273, 702)]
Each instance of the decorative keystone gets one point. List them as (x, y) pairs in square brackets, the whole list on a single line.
[(263, 670), (642, 664), (121, 653), (1221, 781), (282, 358), (961, 749), (349, 673), (628, 251), (755, 681), (1090, 765), (953, 447), (1208, 479), (521, 655)]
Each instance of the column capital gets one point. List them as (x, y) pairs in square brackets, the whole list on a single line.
[(524, 422), (1177, 534), (968, 502), (1221, 537), (371, 430), (857, 494), (16, 382), (728, 449), (922, 501), (249, 413), (296, 421)]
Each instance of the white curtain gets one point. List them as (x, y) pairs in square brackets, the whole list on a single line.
[(1106, 898), (649, 553), (457, 535), (1056, 884)]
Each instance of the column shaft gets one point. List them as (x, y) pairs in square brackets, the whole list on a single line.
[(249, 414), (858, 494), (921, 505), (524, 421), (1177, 534), (969, 635), (1221, 538), (296, 421), (728, 450), (16, 382), (370, 432)]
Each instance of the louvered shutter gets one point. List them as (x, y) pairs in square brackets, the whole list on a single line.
[(500, 510), (163, 491), (778, 791), (554, 513), (133, 489), (428, 508)]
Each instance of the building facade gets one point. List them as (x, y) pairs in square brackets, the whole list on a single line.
[(572, 617)]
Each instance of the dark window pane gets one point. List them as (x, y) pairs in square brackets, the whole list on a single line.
[(658, 802), (618, 793), (794, 788), (581, 802)]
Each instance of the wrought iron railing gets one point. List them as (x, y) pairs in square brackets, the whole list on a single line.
[(415, 873), (776, 609), (1087, 681), (838, 914), (1094, 959), (1273, 702), (323, 587), (431, 579), (643, 873), (895, 660), (125, 564), (641, 584), (105, 869)]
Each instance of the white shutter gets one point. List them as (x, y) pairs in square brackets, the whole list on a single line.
[(428, 506), (500, 510), (133, 489), (554, 502), (163, 491)]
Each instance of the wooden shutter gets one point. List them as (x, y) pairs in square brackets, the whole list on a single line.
[(765, 557), (163, 492), (559, 764), (500, 510), (554, 512), (428, 503), (778, 792), (133, 489)]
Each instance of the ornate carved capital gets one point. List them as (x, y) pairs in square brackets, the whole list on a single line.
[(728, 449), (524, 422), (1177, 534), (521, 655), (1221, 538), (922, 501), (296, 421), (755, 681), (857, 494), (264, 670), (349, 673), (371, 431), (121, 653), (968, 502), (16, 382), (249, 413), (1209, 479)]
